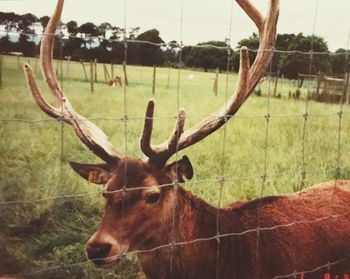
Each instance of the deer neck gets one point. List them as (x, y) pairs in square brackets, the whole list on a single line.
[(194, 219)]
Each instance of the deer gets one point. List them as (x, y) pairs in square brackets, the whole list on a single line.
[(178, 235), (117, 81)]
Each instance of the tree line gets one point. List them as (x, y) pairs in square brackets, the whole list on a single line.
[(105, 42)]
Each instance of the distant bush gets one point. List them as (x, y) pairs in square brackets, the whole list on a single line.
[(257, 92)]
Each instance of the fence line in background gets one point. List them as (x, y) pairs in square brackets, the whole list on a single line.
[(177, 46)]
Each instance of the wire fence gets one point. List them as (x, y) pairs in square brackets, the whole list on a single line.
[(224, 175)]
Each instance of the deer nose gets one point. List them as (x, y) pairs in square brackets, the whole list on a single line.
[(98, 250)]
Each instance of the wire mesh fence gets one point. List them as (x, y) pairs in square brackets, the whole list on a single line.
[(283, 138)]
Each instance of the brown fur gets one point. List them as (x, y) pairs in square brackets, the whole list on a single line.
[(300, 247), (296, 232), (117, 81)]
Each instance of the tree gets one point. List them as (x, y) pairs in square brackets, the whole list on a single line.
[(117, 47), (205, 56), (116, 33), (44, 20), (283, 41), (72, 27), (133, 33), (26, 46), (7, 17), (103, 51), (6, 45), (340, 61), (171, 56), (103, 28), (26, 21), (71, 45), (291, 64), (10, 20), (147, 54), (89, 30)]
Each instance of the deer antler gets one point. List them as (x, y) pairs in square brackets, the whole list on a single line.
[(160, 154), (248, 78), (88, 132)]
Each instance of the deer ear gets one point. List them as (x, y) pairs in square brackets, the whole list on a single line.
[(94, 173), (183, 168)]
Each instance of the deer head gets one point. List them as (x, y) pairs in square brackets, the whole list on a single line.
[(139, 194)]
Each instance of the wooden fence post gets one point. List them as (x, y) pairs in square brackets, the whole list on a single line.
[(168, 82), (82, 63), (107, 76), (154, 80), (275, 85), (125, 74), (18, 63), (216, 82), (91, 76), (57, 67), (35, 63), (112, 71), (105, 73), (345, 98), (318, 83), (68, 62), (95, 66)]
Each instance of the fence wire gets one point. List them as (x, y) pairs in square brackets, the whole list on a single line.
[(215, 237), (176, 183), (223, 176)]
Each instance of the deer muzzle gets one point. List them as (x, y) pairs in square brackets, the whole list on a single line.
[(104, 250)]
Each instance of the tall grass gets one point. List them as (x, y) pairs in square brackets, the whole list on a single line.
[(35, 150)]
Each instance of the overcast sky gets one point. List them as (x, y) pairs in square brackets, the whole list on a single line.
[(202, 19)]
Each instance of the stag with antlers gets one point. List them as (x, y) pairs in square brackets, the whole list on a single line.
[(144, 198)]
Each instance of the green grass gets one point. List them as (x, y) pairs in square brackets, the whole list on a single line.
[(35, 150)]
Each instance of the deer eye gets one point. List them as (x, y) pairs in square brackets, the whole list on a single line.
[(153, 197)]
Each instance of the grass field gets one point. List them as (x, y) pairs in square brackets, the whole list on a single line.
[(35, 150)]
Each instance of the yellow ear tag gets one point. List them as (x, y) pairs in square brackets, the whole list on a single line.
[(92, 176)]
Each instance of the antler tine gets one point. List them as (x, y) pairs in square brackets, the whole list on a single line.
[(145, 141), (159, 154), (47, 108), (267, 41), (89, 134), (178, 130), (248, 78), (46, 51), (242, 84), (253, 13)]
